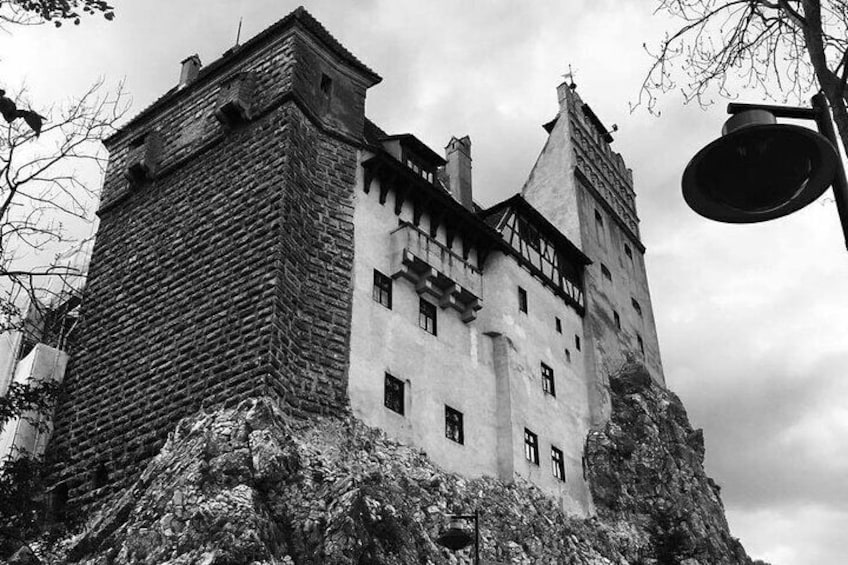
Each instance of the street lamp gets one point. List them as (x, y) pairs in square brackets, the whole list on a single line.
[(759, 170), (456, 537)]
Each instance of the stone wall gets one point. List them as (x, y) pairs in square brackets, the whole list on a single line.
[(228, 269)]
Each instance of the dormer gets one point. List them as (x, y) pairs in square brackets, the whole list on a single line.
[(412, 152)]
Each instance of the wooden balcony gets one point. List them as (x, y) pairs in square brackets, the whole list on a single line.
[(436, 270)]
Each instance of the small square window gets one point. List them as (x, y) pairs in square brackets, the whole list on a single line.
[(606, 272), (382, 290), (558, 324), (522, 300), (531, 446), (641, 344), (557, 464), (453, 425), (427, 316), (636, 306), (577, 342), (567, 355), (393, 398), (548, 384), (617, 319)]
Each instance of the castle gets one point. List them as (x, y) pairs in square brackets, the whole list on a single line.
[(260, 236)]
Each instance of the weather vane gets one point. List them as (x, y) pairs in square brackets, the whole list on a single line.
[(569, 76)]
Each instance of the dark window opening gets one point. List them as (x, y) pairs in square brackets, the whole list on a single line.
[(522, 300), (628, 252), (599, 219), (636, 306), (531, 446), (382, 291), (393, 399), (557, 464), (101, 476), (617, 319), (427, 316), (641, 344), (326, 85), (606, 272), (548, 384), (558, 324), (577, 342), (568, 355), (453, 425)]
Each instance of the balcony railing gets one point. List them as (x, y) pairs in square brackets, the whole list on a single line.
[(436, 270)]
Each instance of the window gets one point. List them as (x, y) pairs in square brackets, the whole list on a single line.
[(567, 355), (427, 316), (326, 86), (628, 252), (557, 464), (606, 272), (636, 306), (599, 228), (453, 425), (522, 300), (529, 234), (393, 399), (577, 342), (641, 344), (617, 319), (382, 291), (548, 380), (531, 446), (558, 324)]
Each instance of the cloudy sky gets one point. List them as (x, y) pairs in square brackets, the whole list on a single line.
[(751, 319)]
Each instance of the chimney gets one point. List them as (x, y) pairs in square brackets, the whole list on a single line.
[(188, 72), (565, 94), (458, 156)]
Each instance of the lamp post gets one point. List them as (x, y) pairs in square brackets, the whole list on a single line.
[(456, 537), (759, 170)]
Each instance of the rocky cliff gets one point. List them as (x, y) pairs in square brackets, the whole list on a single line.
[(248, 486)]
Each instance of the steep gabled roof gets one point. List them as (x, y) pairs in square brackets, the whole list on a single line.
[(297, 17)]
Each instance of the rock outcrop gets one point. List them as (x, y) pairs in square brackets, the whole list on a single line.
[(247, 486)]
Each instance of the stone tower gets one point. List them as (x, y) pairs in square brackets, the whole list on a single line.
[(584, 188), (223, 261)]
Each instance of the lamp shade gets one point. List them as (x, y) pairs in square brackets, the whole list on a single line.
[(759, 170)]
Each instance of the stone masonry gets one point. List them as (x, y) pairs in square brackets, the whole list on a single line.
[(227, 273)]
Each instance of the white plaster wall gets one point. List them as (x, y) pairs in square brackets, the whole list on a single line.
[(562, 420), (550, 188), (459, 367), (454, 367), (10, 343), (42, 364)]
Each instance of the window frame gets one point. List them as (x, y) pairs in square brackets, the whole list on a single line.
[(427, 312), (558, 324), (548, 380), (557, 463), (522, 300), (391, 379), (454, 420), (382, 288), (531, 447)]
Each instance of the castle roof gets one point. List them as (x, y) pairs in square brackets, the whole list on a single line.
[(298, 17)]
